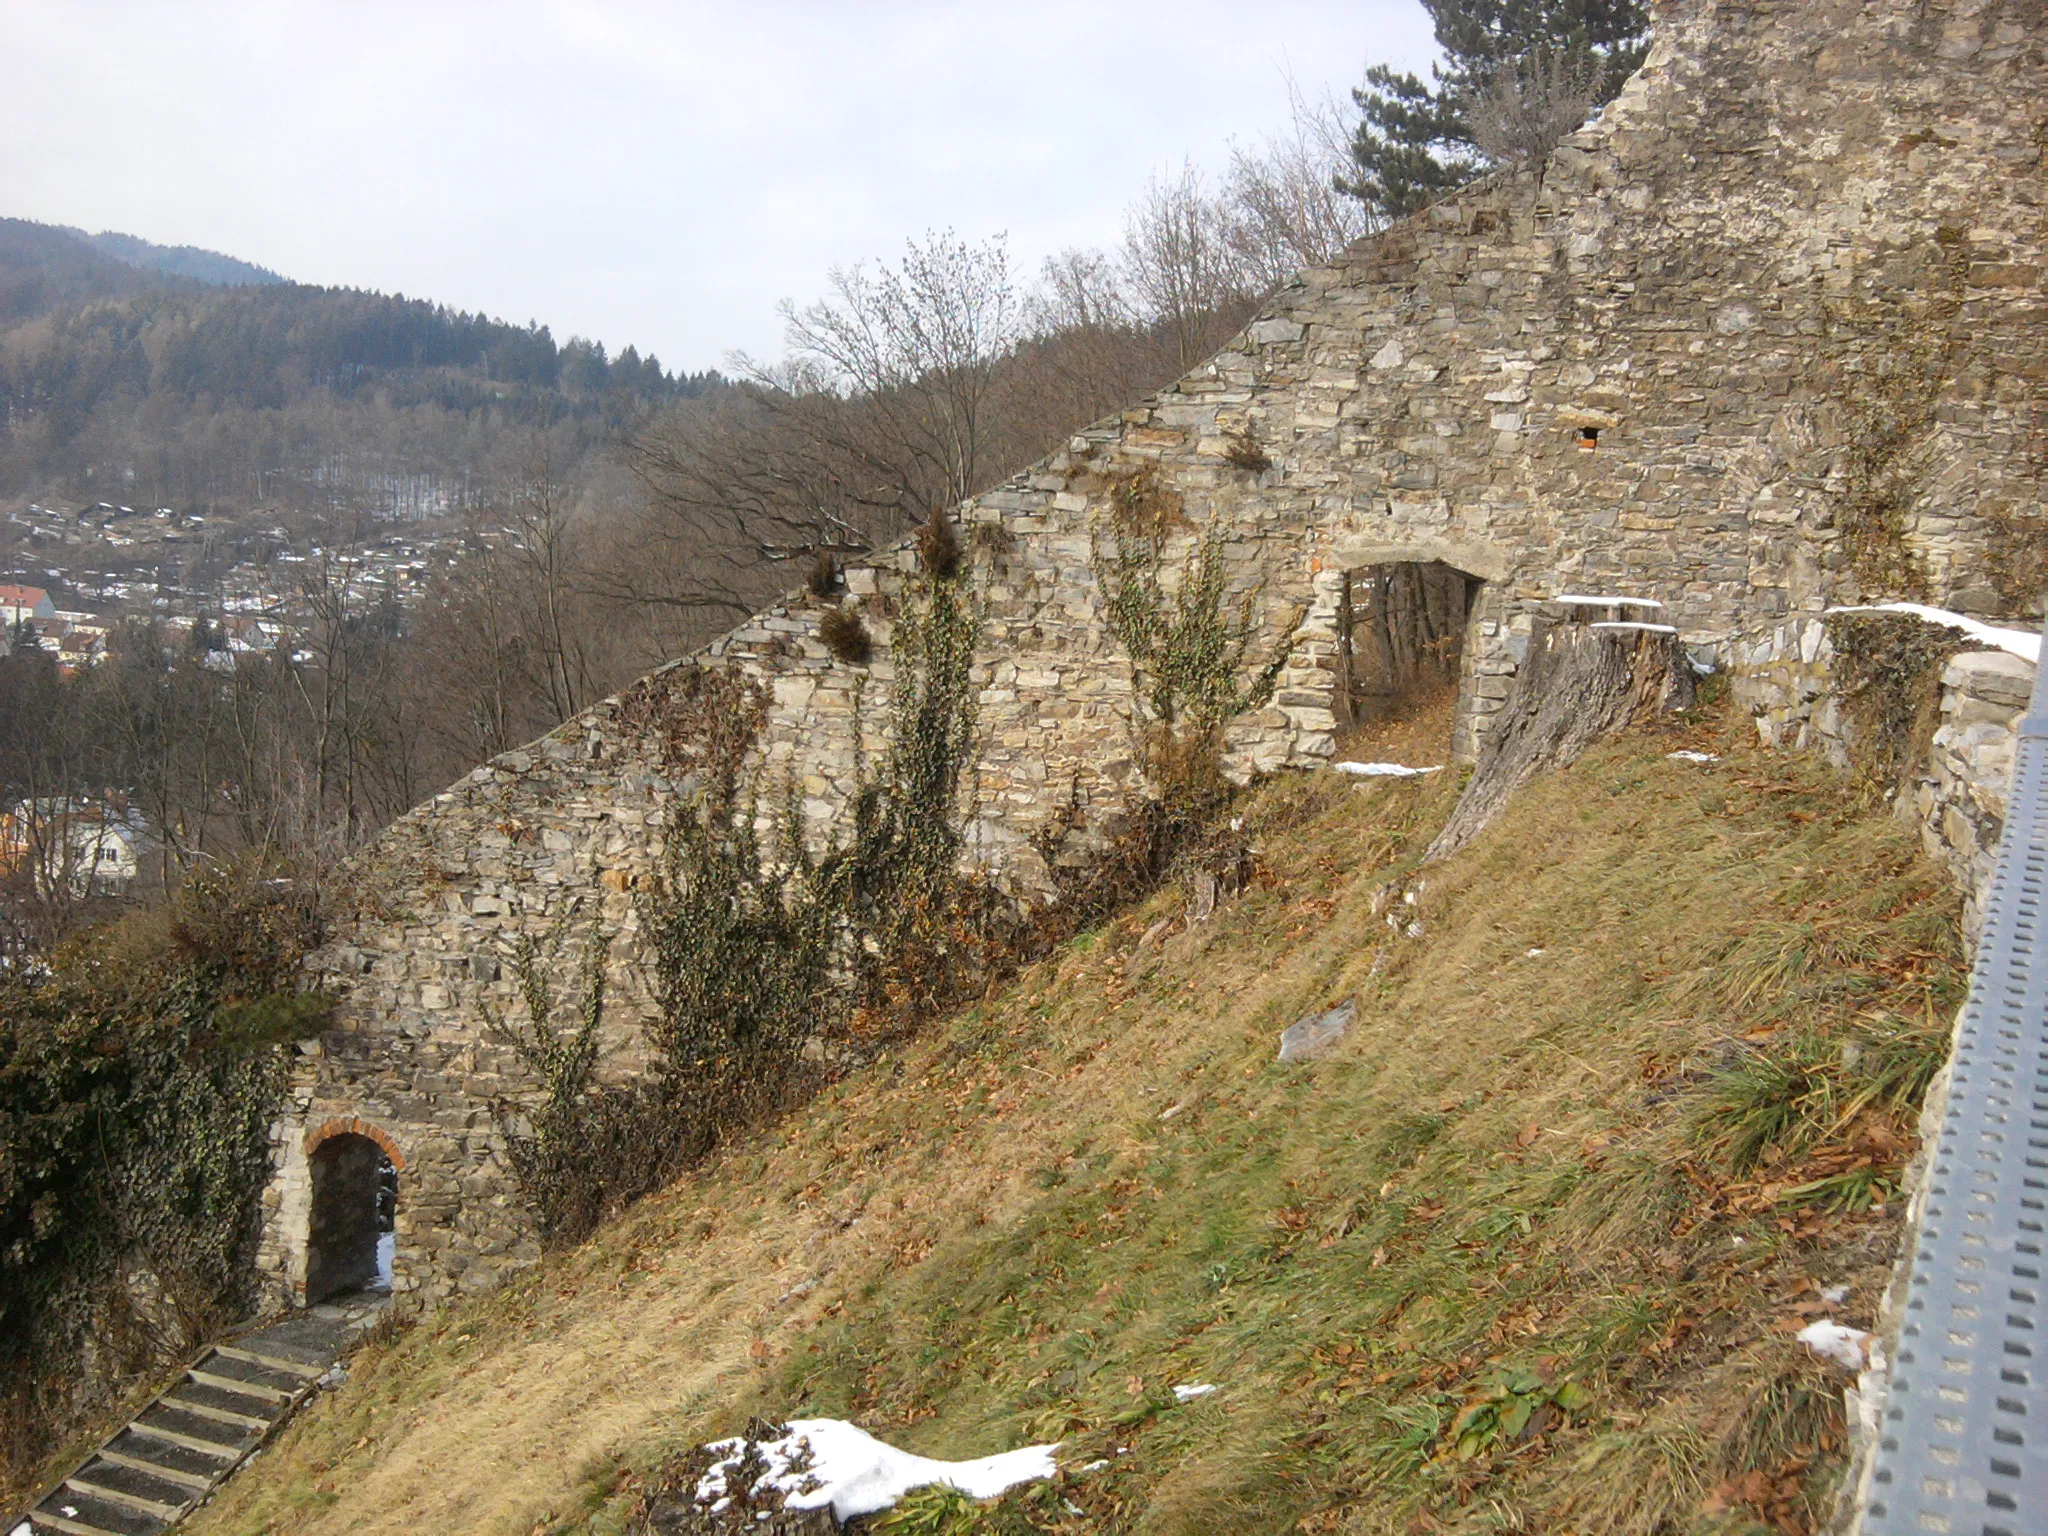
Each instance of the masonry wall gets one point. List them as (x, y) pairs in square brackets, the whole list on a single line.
[(1706, 279), (1956, 795)]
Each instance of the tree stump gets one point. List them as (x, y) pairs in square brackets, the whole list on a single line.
[(1580, 682)]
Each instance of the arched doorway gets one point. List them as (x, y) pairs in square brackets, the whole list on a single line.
[(350, 1229)]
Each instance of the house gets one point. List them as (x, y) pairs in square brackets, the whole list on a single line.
[(19, 603), (79, 845)]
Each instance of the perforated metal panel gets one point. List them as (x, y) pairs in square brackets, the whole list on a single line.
[(1963, 1442)]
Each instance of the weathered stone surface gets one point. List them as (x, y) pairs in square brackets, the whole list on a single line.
[(1698, 279), (1314, 1037), (1957, 795)]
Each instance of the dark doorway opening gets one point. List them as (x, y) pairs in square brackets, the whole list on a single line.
[(1402, 626), (350, 1238)]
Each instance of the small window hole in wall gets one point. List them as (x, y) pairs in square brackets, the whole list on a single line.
[(1589, 438)]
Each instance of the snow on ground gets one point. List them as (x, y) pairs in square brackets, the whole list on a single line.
[(1385, 770), (1635, 628), (1692, 757), (1830, 1340), (1193, 1390), (858, 1475), (2023, 643)]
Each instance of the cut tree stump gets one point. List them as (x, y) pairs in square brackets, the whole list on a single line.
[(1579, 682)]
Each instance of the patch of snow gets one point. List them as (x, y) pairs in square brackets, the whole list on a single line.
[(2022, 643), (857, 1474), (23, 1529), (1834, 1295), (1385, 770), (1533, 954), (1599, 600), (1693, 757), (1193, 1390), (1093, 1466), (1639, 628), (1829, 1340)]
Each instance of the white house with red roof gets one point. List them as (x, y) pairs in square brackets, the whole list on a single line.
[(18, 603)]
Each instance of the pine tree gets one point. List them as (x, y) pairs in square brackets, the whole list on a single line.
[(1415, 142)]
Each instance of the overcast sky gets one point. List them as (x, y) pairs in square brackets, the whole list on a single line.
[(660, 174)]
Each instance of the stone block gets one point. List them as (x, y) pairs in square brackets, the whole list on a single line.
[(1314, 1037)]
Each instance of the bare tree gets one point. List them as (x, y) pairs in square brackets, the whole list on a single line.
[(1529, 106), (1282, 208), (920, 343), (542, 549), (1181, 268), (881, 416)]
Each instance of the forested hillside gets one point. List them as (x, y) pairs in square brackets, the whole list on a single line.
[(138, 385), (191, 261)]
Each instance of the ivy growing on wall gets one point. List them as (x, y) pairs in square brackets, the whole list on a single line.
[(1889, 407), (139, 1076), (1888, 671), (1191, 645), (760, 941)]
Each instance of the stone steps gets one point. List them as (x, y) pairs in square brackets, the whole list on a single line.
[(172, 1455)]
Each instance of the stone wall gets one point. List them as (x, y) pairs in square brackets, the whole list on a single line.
[(1956, 795), (1638, 367)]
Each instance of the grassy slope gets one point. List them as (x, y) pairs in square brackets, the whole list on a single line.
[(1515, 1161)]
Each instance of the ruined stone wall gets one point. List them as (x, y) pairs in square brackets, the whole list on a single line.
[(1707, 281), (1956, 795)]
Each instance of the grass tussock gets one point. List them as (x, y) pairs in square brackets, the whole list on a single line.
[(1524, 1254)]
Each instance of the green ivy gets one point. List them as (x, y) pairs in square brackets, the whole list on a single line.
[(139, 1076), (758, 942)]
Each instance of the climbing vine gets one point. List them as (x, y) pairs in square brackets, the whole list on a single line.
[(1190, 645), (139, 1076), (761, 943), (566, 1148), (1887, 670), (1889, 413)]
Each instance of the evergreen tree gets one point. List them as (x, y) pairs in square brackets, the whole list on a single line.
[(1414, 142)]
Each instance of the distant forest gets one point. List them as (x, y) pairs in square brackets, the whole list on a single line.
[(136, 384)]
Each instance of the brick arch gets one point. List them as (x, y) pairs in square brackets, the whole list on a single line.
[(350, 1126)]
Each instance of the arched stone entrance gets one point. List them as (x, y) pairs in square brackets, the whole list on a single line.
[(353, 1170)]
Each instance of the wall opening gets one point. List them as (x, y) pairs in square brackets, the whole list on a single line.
[(1402, 626), (350, 1237)]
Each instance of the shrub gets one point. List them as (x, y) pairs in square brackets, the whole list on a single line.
[(758, 944), (846, 637), (1243, 451), (139, 1076), (1888, 670), (822, 579), (939, 549)]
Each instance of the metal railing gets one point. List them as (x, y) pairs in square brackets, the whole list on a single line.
[(1963, 1436)]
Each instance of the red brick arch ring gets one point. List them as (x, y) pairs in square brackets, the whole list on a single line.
[(351, 1126)]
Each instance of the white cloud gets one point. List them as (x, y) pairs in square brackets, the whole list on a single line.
[(659, 174)]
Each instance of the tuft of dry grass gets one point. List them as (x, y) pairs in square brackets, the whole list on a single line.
[(1507, 1259)]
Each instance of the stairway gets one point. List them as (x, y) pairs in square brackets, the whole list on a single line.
[(174, 1453)]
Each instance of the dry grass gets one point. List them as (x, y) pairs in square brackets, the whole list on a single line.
[(1516, 1173)]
